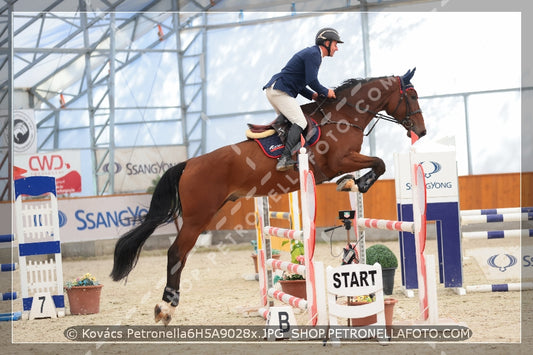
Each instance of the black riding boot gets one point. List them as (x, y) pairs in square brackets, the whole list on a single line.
[(285, 162)]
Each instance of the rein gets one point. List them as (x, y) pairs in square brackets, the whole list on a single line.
[(406, 121)]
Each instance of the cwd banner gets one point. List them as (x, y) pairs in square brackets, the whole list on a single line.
[(135, 168), (65, 166)]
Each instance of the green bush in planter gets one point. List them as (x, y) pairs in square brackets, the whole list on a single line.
[(254, 244), (382, 255)]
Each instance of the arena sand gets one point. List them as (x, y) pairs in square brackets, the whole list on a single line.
[(214, 292)]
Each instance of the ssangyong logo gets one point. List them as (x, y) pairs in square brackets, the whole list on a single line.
[(62, 218), (118, 168), (430, 167), (148, 168), (502, 263)]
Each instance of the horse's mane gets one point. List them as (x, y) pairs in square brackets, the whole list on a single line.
[(350, 83), (346, 84)]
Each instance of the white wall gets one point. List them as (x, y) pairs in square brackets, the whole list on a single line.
[(454, 52)]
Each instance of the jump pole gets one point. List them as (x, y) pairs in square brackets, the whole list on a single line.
[(498, 215), (517, 286), (500, 234), (496, 211), (496, 218), (315, 304)]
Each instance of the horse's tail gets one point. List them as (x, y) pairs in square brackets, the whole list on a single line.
[(164, 206)]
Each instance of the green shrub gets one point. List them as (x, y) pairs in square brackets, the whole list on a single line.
[(382, 255), (297, 249), (290, 277)]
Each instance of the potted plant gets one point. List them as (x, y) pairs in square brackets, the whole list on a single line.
[(358, 301), (371, 319), (381, 254), (84, 295), (297, 251), (275, 255), (292, 283)]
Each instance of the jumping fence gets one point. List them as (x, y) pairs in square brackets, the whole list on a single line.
[(315, 303)]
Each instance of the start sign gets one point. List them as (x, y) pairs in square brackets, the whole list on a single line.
[(354, 279)]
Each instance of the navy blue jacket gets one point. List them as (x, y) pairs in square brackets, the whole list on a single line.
[(299, 72)]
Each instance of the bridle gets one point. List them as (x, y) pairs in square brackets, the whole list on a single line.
[(407, 122)]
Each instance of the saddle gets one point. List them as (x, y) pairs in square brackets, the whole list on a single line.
[(271, 137), (281, 126)]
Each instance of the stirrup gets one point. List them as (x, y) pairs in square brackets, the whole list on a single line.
[(285, 164)]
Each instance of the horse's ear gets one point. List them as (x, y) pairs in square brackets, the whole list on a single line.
[(406, 78)]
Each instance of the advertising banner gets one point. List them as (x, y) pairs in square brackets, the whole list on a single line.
[(136, 168), (24, 131), (64, 165), (95, 218), (105, 217), (440, 170)]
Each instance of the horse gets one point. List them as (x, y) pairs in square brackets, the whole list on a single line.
[(198, 187)]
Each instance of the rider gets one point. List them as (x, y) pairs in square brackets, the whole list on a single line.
[(299, 72)]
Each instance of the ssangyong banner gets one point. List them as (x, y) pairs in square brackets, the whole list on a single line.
[(440, 169), (95, 218), (136, 168), (64, 165)]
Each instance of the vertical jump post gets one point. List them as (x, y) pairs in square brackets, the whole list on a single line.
[(315, 304)]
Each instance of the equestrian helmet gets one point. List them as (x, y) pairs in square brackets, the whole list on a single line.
[(327, 34)]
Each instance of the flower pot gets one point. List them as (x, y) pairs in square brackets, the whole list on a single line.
[(371, 319), (294, 288), (388, 280), (389, 310), (254, 257), (84, 299), (361, 322)]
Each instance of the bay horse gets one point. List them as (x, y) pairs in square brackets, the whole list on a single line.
[(197, 188)]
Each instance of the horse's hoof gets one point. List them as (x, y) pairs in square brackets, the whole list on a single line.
[(366, 181), (158, 314), (163, 313), (347, 185)]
